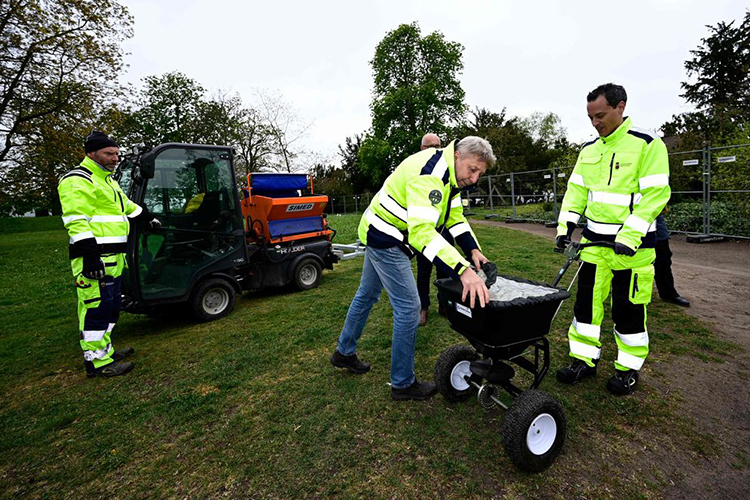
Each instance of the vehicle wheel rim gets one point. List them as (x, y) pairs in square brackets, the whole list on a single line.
[(461, 370), (308, 274), (215, 301), (541, 434)]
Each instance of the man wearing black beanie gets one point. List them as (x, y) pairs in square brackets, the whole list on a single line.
[(97, 215)]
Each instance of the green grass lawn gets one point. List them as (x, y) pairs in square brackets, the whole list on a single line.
[(249, 406)]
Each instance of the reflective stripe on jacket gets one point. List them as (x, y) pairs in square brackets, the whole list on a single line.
[(420, 196), (94, 209), (620, 183)]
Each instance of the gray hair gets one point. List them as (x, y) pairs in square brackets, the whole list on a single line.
[(474, 145)]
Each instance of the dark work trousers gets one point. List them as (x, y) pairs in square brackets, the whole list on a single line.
[(663, 269), (424, 270)]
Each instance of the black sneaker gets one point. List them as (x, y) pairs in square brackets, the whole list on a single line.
[(121, 354), (351, 363), (577, 371), (418, 391), (623, 382), (114, 369)]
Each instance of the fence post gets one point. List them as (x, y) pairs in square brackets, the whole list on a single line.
[(704, 176), (489, 190), (356, 205), (513, 194), (708, 190), (554, 192)]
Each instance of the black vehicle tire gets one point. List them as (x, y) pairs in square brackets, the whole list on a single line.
[(534, 430), (307, 274), (450, 369), (212, 299)]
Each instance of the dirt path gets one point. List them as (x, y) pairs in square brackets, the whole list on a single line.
[(715, 277)]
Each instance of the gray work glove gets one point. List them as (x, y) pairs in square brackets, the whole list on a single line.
[(154, 223)]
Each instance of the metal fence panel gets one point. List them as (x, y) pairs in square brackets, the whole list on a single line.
[(710, 193)]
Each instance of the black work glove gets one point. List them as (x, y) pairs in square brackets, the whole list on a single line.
[(93, 267), (562, 241), (622, 249), (490, 270), (147, 217)]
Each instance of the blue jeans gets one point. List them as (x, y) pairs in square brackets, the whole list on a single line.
[(387, 268)]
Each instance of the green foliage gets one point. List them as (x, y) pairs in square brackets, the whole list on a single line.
[(167, 110), (534, 143), (544, 128), (59, 59), (174, 108), (351, 165), (721, 88), (375, 156), (416, 90), (327, 179), (721, 65), (731, 217)]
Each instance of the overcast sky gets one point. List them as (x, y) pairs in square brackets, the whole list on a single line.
[(525, 56)]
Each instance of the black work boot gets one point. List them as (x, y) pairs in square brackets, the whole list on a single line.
[(123, 353), (623, 382), (577, 371), (677, 299), (351, 362), (113, 369), (418, 390)]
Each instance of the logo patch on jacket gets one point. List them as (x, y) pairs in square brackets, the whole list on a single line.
[(435, 197)]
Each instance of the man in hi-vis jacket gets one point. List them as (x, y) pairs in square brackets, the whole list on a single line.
[(96, 214), (416, 201), (620, 183)]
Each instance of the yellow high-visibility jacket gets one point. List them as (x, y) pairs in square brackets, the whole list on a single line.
[(620, 183), (95, 211), (419, 197)]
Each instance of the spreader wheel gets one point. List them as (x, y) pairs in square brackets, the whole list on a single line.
[(451, 371), (534, 430)]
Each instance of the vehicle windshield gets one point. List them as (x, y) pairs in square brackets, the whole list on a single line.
[(184, 177), (124, 175)]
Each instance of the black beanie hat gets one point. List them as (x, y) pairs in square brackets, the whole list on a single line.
[(98, 140)]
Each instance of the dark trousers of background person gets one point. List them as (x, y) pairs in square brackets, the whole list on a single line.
[(663, 270), (424, 270)]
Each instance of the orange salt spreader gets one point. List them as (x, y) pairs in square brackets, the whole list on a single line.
[(280, 208)]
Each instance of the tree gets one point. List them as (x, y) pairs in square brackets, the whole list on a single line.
[(375, 157), (58, 60), (219, 120), (47, 154), (53, 55), (416, 90), (351, 164), (167, 110), (721, 88), (254, 146), (520, 144), (721, 65), (544, 128), (285, 130)]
